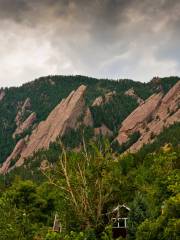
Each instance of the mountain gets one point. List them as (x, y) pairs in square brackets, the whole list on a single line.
[(36, 114), (80, 152)]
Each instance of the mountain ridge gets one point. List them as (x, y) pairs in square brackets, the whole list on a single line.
[(67, 113), (45, 93)]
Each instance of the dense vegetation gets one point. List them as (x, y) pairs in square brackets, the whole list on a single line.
[(82, 187)]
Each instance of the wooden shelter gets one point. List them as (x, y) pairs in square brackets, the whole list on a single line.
[(119, 218)]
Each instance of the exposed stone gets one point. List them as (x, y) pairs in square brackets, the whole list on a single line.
[(175, 90), (63, 117), (103, 99), (88, 119), (141, 114), (151, 118), (132, 93), (25, 125), (26, 105), (2, 95), (17, 151), (103, 130)]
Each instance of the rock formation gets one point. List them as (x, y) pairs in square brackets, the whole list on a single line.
[(25, 125), (66, 115), (103, 99), (16, 152), (88, 119), (2, 95), (151, 117), (132, 94), (22, 110)]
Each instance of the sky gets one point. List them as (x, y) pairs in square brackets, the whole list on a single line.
[(135, 39)]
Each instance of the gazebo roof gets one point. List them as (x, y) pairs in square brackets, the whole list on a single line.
[(119, 207)]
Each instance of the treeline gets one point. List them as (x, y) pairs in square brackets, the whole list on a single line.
[(81, 187)]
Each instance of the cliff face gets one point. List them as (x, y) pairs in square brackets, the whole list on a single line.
[(23, 108), (66, 115), (132, 94), (16, 152), (151, 117), (25, 125), (102, 100)]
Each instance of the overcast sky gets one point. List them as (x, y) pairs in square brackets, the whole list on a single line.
[(135, 39)]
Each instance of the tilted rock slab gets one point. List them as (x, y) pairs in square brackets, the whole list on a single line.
[(103, 99), (139, 116), (25, 125), (131, 93), (64, 116), (88, 119), (16, 152), (26, 105), (150, 118)]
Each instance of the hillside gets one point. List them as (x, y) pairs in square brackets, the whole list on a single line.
[(25, 107), (74, 149)]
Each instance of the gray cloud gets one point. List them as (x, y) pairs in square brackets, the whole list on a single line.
[(104, 38)]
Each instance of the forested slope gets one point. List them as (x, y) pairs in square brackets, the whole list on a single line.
[(81, 177), (46, 92)]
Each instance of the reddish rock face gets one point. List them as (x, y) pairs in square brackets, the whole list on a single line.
[(17, 150), (26, 105), (66, 115), (88, 119), (132, 93), (62, 118), (139, 116), (151, 117), (25, 125), (102, 100)]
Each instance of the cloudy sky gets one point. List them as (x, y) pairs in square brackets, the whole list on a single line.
[(135, 39)]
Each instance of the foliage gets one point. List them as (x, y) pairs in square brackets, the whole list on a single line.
[(123, 147), (84, 182), (114, 112), (83, 186)]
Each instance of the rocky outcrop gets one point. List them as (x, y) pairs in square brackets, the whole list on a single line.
[(88, 119), (25, 125), (132, 94), (2, 95), (103, 99), (64, 116), (151, 117), (16, 152), (138, 117), (22, 110), (103, 130)]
